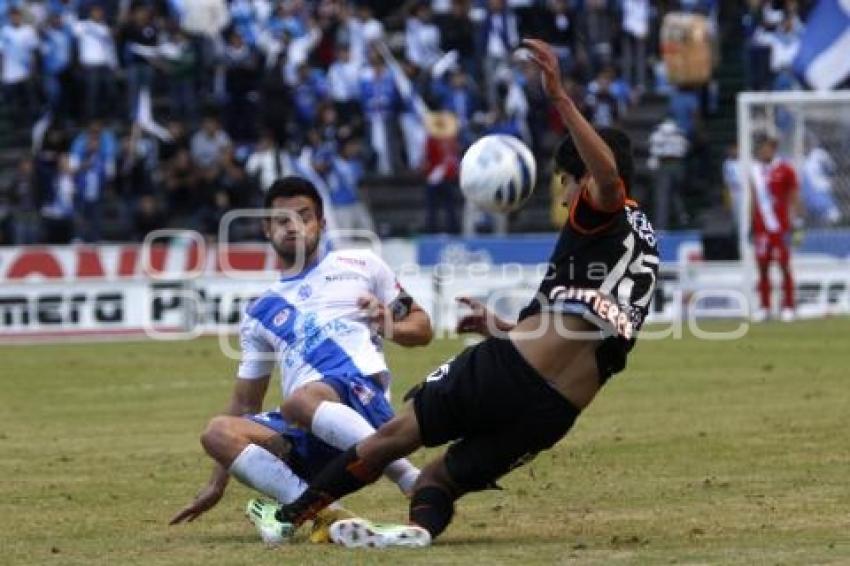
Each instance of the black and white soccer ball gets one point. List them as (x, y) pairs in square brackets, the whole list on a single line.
[(498, 173)]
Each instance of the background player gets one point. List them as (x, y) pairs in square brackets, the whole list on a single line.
[(323, 322), (507, 398), (776, 207)]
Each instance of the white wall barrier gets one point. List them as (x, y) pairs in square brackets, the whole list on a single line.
[(57, 301)]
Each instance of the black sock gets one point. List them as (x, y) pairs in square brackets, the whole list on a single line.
[(344, 474), (432, 509)]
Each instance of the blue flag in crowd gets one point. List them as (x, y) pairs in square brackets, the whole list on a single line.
[(824, 57)]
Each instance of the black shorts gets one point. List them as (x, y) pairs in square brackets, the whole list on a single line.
[(499, 409)]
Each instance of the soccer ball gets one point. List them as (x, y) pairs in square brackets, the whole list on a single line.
[(498, 173)]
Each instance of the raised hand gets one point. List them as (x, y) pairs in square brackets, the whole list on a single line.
[(542, 55)]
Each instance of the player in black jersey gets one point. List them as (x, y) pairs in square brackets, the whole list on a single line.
[(520, 390)]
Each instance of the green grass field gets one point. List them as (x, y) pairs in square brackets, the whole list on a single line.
[(701, 453)]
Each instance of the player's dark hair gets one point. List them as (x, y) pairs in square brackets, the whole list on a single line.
[(568, 160), (292, 186)]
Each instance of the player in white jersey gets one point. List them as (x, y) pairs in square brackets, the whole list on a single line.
[(323, 323)]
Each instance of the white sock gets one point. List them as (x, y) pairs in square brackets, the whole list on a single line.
[(404, 474), (342, 427), (258, 468)]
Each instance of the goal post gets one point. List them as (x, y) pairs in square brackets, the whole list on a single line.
[(813, 130)]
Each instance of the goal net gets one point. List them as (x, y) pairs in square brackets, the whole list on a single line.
[(813, 130)]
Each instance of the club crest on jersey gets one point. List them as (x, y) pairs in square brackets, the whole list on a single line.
[(363, 393), (281, 317), (304, 291)]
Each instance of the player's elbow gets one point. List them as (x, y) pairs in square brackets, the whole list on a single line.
[(417, 338), (216, 436), (423, 333), (424, 336), (417, 331)]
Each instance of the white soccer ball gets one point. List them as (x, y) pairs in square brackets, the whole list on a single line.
[(498, 173)]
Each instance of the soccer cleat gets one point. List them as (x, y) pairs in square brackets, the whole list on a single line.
[(320, 532), (360, 533), (788, 315), (760, 315), (262, 514)]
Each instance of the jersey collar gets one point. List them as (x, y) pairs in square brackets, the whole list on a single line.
[(323, 253)]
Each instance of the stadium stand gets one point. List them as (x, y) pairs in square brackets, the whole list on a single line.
[(309, 76)]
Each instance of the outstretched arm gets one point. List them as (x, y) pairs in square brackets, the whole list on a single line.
[(607, 191), (247, 398)]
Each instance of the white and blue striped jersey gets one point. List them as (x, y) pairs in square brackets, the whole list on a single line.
[(310, 324)]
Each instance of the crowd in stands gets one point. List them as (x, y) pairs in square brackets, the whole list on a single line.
[(773, 31), (169, 113)]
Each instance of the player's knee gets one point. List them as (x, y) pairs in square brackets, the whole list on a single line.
[(301, 405), (297, 409), (217, 436)]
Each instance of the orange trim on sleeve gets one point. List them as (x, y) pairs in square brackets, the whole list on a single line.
[(584, 195), (586, 231)]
